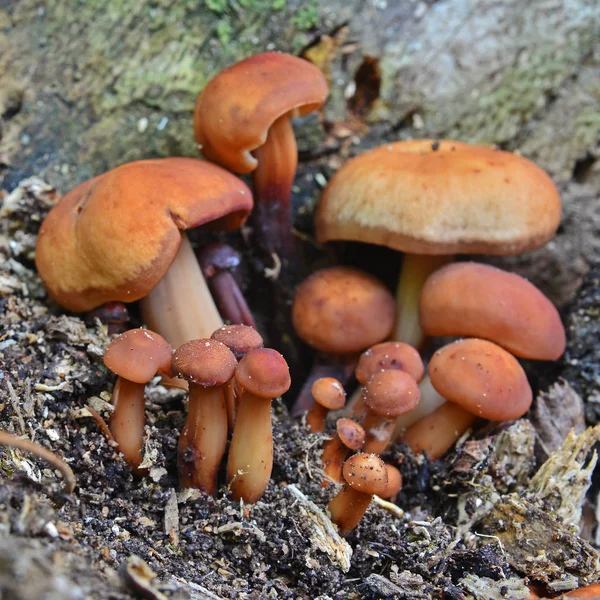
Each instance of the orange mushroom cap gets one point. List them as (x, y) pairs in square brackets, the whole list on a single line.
[(351, 433), (235, 110), (263, 372), (329, 393), (482, 378), (391, 393), (389, 356), (471, 299), (394, 482), (341, 310), (366, 473), (240, 339), (440, 197), (206, 363), (114, 237), (138, 355)]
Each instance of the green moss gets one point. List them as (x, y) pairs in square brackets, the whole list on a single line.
[(307, 16)]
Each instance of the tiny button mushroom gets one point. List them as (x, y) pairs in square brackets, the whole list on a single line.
[(480, 379), (207, 365), (349, 435), (340, 311), (136, 356), (240, 339), (386, 396), (365, 475), (471, 299), (264, 375), (329, 394)]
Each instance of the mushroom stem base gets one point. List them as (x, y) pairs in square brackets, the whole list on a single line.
[(203, 440), (180, 307), (348, 507)]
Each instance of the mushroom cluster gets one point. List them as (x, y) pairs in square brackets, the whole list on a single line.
[(121, 237)]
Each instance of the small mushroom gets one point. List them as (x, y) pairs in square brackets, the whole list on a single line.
[(479, 380), (349, 435), (240, 339), (339, 312), (136, 356), (329, 394), (432, 199), (207, 365), (472, 299), (242, 120), (386, 396), (365, 475), (119, 237), (217, 261), (264, 375)]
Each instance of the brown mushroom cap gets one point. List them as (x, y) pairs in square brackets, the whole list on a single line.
[(114, 237), (138, 355), (351, 433), (394, 482), (481, 377), (236, 109), (430, 197), (389, 356), (206, 363), (329, 393), (366, 473), (263, 372), (391, 393), (472, 299), (341, 310), (240, 339)]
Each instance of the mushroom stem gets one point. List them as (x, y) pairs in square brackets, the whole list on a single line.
[(415, 270), (430, 401), (230, 300), (180, 307), (333, 457), (315, 418), (273, 178), (438, 431), (203, 440), (251, 451), (378, 430), (128, 419), (348, 507)]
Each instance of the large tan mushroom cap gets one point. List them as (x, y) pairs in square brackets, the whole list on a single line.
[(427, 197), (471, 299), (482, 378), (342, 310), (114, 237), (235, 110)]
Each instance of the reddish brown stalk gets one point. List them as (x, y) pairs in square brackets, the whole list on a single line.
[(128, 420), (273, 178), (7, 439), (203, 439)]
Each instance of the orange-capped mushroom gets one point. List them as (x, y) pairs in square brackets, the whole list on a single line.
[(118, 237), (481, 380), (329, 394), (349, 435), (136, 356), (472, 299), (264, 375), (242, 121), (365, 475)]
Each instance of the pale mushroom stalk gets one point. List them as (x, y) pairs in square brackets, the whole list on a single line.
[(180, 307), (272, 180), (416, 268)]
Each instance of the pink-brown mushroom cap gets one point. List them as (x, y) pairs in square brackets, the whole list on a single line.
[(391, 393), (240, 339), (389, 356), (472, 299), (329, 393), (204, 362), (263, 372), (351, 433), (481, 377), (138, 355), (366, 473)]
